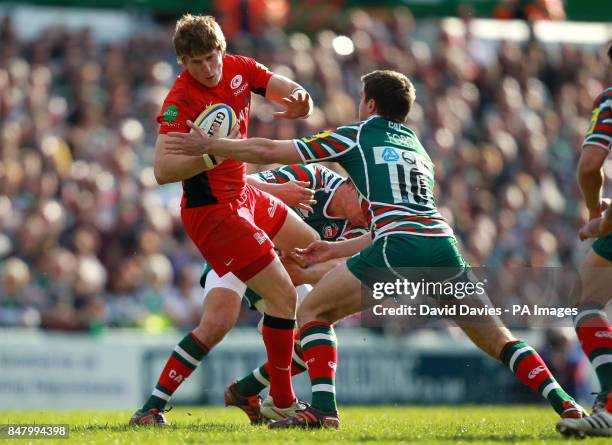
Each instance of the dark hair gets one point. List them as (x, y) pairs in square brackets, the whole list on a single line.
[(610, 51), (392, 91), (196, 35)]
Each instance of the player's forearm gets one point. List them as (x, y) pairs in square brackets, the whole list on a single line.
[(253, 150), (174, 168), (348, 248), (607, 217), (313, 273), (262, 185), (590, 182)]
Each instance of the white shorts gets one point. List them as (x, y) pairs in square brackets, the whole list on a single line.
[(232, 282), (227, 281)]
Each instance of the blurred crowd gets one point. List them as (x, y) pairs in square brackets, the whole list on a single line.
[(89, 240)]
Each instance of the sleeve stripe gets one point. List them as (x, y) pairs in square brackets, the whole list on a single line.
[(319, 150), (598, 136), (303, 150), (304, 173), (330, 150), (344, 140), (602, 127)]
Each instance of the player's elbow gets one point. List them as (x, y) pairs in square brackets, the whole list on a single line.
[(160, 175)]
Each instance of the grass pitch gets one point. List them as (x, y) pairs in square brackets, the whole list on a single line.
[(363, 425)]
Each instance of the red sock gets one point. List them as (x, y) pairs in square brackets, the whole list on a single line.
[(609, 404), (595, 334), (185, 358), (278, 338)]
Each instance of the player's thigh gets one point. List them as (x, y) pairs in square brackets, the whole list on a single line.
[(596, 275), (274, 286), (335, 297), (228, 281), (294, 233)]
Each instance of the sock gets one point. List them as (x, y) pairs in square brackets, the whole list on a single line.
[(185, 358), (321, 357), (609, 403), (595, 334), (278, 338), (259, 378), (530, 369)]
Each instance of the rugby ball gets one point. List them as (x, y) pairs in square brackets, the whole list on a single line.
[(220, 114)]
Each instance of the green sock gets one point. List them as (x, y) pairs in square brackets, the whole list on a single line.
[(253, 383)]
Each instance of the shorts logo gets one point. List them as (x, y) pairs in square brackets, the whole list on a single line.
[(227, 263), (603, 334), (272, 208), (535, 371), (236, 81), (332, 365), (170, 113), (260, 237), (330, 230)]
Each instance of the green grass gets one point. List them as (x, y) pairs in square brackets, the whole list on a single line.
[(362, 425)]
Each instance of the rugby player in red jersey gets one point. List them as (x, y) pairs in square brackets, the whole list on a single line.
[(234, 225)]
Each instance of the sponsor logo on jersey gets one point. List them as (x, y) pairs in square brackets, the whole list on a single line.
[(390, 155), (535, 371), (170, 113), (241, 90), (603, 334), (330, 230), (236, 81), (408, 157), (400, 139), (320, 135)]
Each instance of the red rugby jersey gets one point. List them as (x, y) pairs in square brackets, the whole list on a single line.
[(188, 98)]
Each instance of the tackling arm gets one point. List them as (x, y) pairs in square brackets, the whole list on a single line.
[(590, 178), (172, 167)]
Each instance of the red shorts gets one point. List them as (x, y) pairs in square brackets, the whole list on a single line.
[(236, 236)]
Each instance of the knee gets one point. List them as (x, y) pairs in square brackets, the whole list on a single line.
[(211, 330), (307, 313), (284, 302)]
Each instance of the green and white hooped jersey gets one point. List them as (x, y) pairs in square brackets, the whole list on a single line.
[(391, 170), (324, 182)]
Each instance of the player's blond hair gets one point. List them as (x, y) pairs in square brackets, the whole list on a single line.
[(195, 35)]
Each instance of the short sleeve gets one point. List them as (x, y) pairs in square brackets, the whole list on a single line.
[(330, 145), (259, 75), (174, 114), (600, 131)]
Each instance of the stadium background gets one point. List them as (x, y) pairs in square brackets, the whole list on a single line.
[(96, 273)]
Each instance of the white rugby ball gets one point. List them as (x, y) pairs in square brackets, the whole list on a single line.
[(220, 114)]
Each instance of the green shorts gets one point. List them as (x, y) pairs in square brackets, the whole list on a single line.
[(410, 257), (603, 247)]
